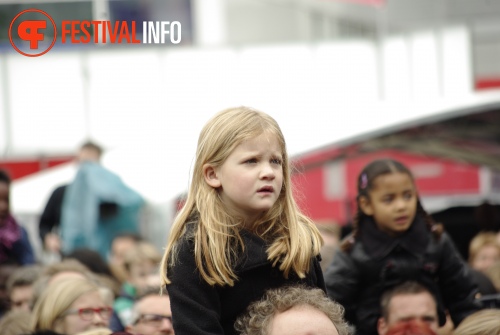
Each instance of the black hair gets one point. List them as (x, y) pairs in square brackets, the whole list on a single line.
[(365, 184), (92, 260), (4, 177)]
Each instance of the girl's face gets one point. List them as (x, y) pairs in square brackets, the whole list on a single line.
[(392, 202), (4, 201), (250, 179), (80, 316), (486, 257)]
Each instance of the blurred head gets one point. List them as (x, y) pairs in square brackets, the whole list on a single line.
[(484, 251), (20, 287), (66, 269), (293, 311), (485, 322), (15, 322), (119, 247), (141, 263), (151, 315), (89, 152), (408, 301), (387, 192), (71, 306), (4, 196), (6, 270)]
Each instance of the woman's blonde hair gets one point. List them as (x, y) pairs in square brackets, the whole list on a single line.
[(480, 241), (57, 299), (484, 322), (294, 237)]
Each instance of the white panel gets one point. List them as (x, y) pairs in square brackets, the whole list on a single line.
[(424, 61), (125, 95), (47, 104), (335, 181), (396, 69), (209, 17), (3, 106), (456, 61)]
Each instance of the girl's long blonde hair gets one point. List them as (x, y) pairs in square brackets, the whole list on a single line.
[(295, 239)]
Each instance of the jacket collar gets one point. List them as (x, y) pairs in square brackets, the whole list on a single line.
[(379, 244), (255, 253)]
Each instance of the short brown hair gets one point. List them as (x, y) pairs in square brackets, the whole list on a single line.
[(408, 287)]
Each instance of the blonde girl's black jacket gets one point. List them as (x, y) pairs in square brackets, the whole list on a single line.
[(376, 262), (201, 309)]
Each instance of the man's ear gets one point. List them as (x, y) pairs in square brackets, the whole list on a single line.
[(381, 326), (365, 205), (210, 176)]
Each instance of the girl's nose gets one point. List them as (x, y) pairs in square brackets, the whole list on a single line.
[(268, 172)]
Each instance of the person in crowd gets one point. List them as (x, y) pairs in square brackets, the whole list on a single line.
[(141, 264), (20, 287), (484, 251), (407, 301), (15, 322), (120, 244), (50, 219), (97, 265), (68, 268), (410, 327), (151, 314), (240, 231), (96, 206), (485, 322), (15, 245), (394, 240), (494, 274), (293, 310), (6, 270), (71, 306)]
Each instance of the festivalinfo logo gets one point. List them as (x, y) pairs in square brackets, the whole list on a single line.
[(33, 32)]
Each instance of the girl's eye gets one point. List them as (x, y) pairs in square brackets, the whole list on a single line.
[(408, 196), (251, 161), (276, 161)]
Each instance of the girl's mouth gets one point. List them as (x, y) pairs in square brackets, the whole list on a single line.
[(266, 189)]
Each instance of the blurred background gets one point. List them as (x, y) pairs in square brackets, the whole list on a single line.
[(348, 81)]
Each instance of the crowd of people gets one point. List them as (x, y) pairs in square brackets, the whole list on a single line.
[(241, 257)]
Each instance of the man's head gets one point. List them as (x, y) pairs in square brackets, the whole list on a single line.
[(20, 287), (151, 315), (408, 301), (89, 151), (293, 311)]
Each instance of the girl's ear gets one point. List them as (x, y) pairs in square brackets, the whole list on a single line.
[(365, 205), (210, 176)]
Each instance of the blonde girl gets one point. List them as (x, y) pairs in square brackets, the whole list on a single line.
[(240, 231)]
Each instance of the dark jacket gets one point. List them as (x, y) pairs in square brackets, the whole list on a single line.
[(21, 251), (201, 309), (376, 262), (50, 219)]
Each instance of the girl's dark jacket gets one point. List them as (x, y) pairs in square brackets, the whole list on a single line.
[(377, 261), (201, 309)]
